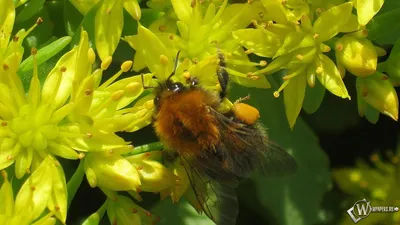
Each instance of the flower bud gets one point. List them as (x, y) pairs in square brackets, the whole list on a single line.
[(377, 91), (101, 168), (154, 176), (183, 182), (357, 55), (393, 64)]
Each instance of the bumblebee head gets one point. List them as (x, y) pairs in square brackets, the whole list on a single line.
[(168, 87), (174, 86)]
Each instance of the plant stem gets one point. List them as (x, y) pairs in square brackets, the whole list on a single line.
[(75, 181), (155, 146)]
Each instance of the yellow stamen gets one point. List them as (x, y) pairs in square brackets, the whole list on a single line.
[(117, 95), (112, 79), (38, 22), (132, 86), (126, 66), (149, 104), (34, 88), (164, 60), (245, 63), (277, 93)]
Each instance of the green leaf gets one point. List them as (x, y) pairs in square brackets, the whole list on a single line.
[(314, 97), (293, 95), (181, 213), (331, 21), (72, 18), (366, 9), (109, 22), (44, 54), (392, 64), (389, 5), (29, 10), (88, 24), (149, 16), (55, 9), (293, 199), (383, 28), (371, 114)]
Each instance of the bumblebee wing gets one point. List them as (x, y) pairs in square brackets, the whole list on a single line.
[(247, 148), (217, 200)]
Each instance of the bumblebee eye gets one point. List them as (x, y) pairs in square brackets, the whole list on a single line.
[(175, 87)]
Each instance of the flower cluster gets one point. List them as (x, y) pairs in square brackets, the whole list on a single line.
[(203, 30), (299, 36), (377, 183), (73, 114)]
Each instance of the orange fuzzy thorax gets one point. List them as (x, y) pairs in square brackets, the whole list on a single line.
[(184, 123)]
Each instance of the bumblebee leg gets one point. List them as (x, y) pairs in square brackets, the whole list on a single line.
[(245, 98), (223, 76)]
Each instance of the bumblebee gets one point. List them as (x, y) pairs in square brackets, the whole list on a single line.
[(218, 149)]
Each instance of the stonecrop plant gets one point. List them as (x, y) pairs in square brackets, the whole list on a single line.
[(73, 102)]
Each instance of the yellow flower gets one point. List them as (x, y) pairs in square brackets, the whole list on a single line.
[(45, 188), (200, 35)]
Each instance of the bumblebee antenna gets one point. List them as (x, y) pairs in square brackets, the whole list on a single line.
[(175, 65), (144, 86)]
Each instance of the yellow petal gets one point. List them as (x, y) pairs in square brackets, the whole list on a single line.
[(293, 95), (7, 17), (182, 10), (329, 76), (133, 8), (32, 198), (58, 199), (366, 9), (6, 197), (153, 49), (109, 22)]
